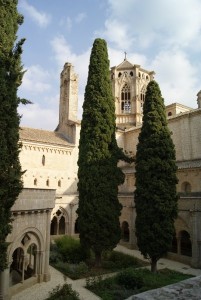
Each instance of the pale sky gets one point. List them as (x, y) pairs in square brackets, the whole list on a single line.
[(160, 35)]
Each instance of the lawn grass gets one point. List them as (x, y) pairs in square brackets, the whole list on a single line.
[(132, 281)]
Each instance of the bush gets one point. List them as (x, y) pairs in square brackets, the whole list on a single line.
[(119, 260), (55, 256), (74, 271), (71, 250), (63, 293), (129, 279)]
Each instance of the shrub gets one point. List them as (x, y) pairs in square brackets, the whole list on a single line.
[(62, 293), (120, 260), (55, 255), (71, 250), (129, 279), (74, 271)]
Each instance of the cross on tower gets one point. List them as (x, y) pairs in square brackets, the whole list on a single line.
[(125, 55)]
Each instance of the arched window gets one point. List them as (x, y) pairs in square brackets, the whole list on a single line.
[(35, 181), (76, 227), (53, 229), (142, 96), (169, 114), (43, 160), (186, 187), (125, 99), (125, 231), (62, 225), (59, 183), (59, 222), (47, 182), (185, 242)]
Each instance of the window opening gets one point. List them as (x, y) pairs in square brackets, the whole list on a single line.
[(43, 160), (125, 99)]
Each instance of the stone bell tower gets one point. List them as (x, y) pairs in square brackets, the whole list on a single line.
[(129, 83), (68, 107)]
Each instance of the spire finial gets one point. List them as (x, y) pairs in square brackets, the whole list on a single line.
[(125, 55)]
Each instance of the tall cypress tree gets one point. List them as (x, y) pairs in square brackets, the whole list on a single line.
[(155, 194), (10, 78), (99, 176)]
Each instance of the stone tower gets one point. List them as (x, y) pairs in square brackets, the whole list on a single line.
[(199, 99), (129, 83), (68, 106)]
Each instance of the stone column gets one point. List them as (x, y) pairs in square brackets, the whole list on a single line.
[(47, 247), (4, 284), (194, 240)]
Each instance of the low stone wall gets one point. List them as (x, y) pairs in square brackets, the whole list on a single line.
[(189, 289)]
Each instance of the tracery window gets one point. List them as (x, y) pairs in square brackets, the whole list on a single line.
[(125, 99), (142, 96)]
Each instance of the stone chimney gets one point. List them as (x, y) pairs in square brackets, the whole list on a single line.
[(199, 99)]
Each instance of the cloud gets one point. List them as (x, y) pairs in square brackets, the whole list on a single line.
[(178, 79), (41, 18), (148, 22), (80, 17), (45, 118), (35, 80), (67, 23)]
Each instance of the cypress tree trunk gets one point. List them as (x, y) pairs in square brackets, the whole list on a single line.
[(153, 265)]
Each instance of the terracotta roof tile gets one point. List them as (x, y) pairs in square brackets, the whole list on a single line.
[(43, 136)]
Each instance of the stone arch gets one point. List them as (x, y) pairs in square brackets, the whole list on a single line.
[(32, 235), (76, 230), (16, 266), (180, 225), (59, 222), (185, 243), (125, 232), (24, 255), (53, 226)]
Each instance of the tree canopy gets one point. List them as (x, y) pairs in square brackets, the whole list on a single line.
[(10, 79), (98, 174), (155, 194)]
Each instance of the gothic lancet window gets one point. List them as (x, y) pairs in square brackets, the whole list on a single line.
[(125, 99), (142, 96)]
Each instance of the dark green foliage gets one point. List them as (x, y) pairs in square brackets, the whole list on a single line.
[(130, 282), (99, 176), (71, 250), (115, 260), (10, 78), (64, 292), (155, 194), (129, 279), (74, 271)]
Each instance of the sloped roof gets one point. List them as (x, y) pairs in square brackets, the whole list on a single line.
[(125, 65), (43, 136)]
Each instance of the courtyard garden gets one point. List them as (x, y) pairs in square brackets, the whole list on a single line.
[(130, 275)]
